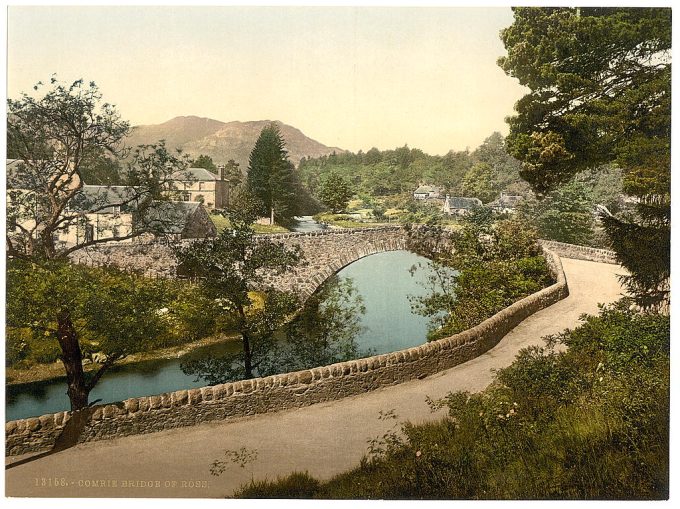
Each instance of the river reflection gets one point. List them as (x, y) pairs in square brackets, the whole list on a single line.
[(364, 310)]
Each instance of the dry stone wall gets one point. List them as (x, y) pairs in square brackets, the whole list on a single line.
[(285, 391), (580, 252)]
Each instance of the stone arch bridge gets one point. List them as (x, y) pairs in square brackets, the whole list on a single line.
[(325, 253)]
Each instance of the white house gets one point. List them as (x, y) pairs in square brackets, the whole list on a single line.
[(425, 192), (201, 186)]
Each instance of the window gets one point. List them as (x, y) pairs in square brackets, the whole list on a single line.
[(89, 232), (116, 210), (200, 186)]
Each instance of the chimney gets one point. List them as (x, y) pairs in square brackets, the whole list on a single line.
[(221, 171)]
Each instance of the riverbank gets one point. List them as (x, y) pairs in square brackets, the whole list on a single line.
[(55, 370)]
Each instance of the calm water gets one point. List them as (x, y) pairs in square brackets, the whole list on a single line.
[(383, 281), (307, 224)]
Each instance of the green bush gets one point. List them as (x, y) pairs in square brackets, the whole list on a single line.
[(297, 484), (587, 423)]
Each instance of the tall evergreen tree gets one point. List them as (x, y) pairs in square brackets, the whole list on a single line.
[(600, 92), (271, 175)]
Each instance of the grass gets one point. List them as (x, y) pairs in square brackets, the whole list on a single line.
[(587, 423), (222, 222), (266, 228)]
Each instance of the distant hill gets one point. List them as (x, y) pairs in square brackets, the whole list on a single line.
[(225, 140)]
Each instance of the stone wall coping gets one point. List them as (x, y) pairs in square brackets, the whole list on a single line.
[(576, 251)]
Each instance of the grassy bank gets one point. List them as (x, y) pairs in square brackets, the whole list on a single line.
[(42, 372), (589, 422), (222, 222)]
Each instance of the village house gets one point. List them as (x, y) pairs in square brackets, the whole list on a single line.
[(201, 186), (111, 212), (456, 205), (506, 204), (426, 192), (99, 212)]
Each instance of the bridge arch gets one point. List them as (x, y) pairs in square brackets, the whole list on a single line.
[(326, 253)]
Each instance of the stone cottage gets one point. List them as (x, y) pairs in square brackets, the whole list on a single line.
[(201, 186), (457, 205)]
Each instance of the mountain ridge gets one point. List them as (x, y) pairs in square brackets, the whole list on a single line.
[(225, 140)]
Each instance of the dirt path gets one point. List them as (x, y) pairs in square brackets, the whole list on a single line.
[(324, 439)]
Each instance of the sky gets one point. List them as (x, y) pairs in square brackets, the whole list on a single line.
[(351, 77)]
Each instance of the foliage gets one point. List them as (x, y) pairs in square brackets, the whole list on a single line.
[(232, 173), (399, 171), (229, 268), (103, 171), (271, 176), (115, 313), (600, 81), (565, 214), (335, 192), (588, 422), (480, 182), (205, 162), (62, 138), (492, 266)]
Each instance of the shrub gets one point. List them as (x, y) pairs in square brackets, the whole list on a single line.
[(590, 422)]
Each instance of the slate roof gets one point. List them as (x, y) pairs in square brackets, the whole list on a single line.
[(101, 199), (459, 202), (194, 175), (170, 216)]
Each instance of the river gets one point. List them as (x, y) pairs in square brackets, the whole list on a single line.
[(382, 281)]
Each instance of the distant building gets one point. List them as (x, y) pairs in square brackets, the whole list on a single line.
[(111, 212), (425, 192), (201, 186), (456, 205), (506, 203), (183, 220)]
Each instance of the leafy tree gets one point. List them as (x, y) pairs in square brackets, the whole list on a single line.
[(481, 181), (565, 214), (271, 176), (600, 81), (233, 173), (335, 192), (493, 266), (103, 171), (57, 137), (325, 331), (373, 156), (76, 307), (493, 153), (205, 162), (231, 268)]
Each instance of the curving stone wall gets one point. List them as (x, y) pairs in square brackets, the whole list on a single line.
[(580, 252), (289, 390)]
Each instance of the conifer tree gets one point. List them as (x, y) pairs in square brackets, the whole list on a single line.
[(600, 92), (271, 175)]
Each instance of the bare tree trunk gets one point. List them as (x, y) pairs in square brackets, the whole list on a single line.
[(247, 356), (72, 358), (245, 338)]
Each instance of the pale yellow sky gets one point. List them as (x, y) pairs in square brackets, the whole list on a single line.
[(352, 77)]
